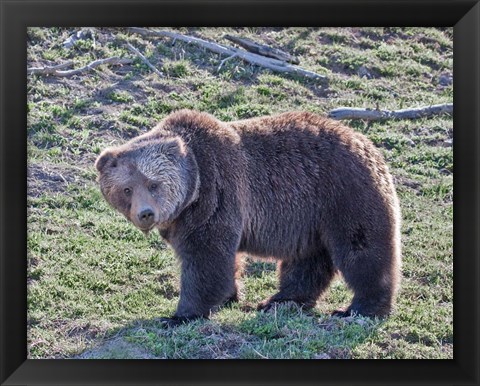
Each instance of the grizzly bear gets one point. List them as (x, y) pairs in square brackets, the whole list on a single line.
[(305, 190)]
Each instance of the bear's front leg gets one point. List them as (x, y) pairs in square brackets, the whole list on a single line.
[(207, 278)]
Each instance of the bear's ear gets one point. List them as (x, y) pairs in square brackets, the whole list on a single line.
[(173, 148), (104, 158)]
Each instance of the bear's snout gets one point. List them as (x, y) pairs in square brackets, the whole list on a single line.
[(146, 217)]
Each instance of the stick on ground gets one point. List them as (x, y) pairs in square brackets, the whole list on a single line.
[(270, 63), (223, 62), (144, 59), (54, 70), (48, 69), (375, 115), (262, 49)]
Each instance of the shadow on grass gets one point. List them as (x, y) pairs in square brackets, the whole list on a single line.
[(238, 331), (148, 339), (286, 332)]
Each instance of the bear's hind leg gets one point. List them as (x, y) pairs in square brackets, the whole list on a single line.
[(302, 280), (372, 275)]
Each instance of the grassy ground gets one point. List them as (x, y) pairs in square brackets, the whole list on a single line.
[(96, 284)]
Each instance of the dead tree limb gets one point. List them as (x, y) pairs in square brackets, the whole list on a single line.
[(375, 115), (270, 63), (48, 69), (54, 70), (262, 49), (224, 60), (144, 59), (217, 48)]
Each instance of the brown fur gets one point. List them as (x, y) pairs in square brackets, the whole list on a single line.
[(306, 190)]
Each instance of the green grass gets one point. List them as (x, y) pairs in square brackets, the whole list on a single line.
[(96, 285)]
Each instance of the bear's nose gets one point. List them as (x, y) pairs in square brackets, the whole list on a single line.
[(146, 217)]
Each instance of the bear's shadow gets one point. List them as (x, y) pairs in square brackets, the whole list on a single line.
[(283, 325), (286, 329)]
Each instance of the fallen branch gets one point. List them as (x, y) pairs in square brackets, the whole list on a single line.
[(270, 63), (375, 115), (224, 60), (144, 59), (262, 49), (217, 48), (48, 69), (54, 70)]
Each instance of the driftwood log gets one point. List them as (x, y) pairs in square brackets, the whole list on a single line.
[(375, 115), (262, 49), (56, 70), (270, 63)]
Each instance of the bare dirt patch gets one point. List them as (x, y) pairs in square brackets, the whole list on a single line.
[(117, 348), (48, 178)]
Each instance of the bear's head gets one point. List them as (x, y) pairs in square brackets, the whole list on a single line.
[(149, 180)]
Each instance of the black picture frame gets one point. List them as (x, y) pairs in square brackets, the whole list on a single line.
[(17, 15)]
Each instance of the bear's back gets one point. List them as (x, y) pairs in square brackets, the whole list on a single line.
[(301, 169)]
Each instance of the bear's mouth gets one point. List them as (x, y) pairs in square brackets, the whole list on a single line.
[(146, 231)]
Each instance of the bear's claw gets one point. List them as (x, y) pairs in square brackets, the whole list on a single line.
[(269, 304), (176, 321), (342, 313)]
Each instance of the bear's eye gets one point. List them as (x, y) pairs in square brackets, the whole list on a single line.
[(127, 191), (153, 186)]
